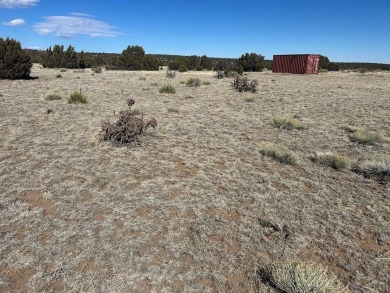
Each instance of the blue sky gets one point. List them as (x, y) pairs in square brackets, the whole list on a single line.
[(343, 30)]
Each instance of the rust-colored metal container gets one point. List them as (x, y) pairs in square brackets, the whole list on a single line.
[(298, 63)]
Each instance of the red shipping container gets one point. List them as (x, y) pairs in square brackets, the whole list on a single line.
[(298, 63)]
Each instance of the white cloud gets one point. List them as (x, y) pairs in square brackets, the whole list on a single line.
[(74, 24), (15, 22), (17, 3)]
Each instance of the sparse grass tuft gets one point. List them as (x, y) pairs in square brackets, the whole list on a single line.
[(365, 137), (303, 277), (53, 97), (58, 76), (284, 122), (206, 83), (77, 98), (330, 159), (142, 78), (173, 110), (377, 168), (167, 89), (193, 82), (279, 154)]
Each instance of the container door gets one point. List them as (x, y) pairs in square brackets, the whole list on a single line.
[(313, 63)]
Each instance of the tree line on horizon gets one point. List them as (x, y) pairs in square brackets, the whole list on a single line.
[(16, 62)]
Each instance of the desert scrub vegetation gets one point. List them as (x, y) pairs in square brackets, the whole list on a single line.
[(376, 168), (167, 89), (303, 277), (279, 154), (173, 110), (128, 128), (363, 136), (77, 98), (193, 82), (96, 69), (53, 97), (285, 122), (170, 74), (206, 83), (58, 76), (14, 62), (243, 84), (330, 159)]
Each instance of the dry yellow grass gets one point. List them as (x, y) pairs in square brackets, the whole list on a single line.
[(196, 208)]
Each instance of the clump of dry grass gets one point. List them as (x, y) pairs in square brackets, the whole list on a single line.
[(206, 83), (366, 137), (173, 110), (303, 277), (53, 97), (330, 159), (193, 82), (76, 98), (377, 168), (58, 76), (279, 154), (167, 89), (284, 122)]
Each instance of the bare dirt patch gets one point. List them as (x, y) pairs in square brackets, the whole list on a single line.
[(196, 207)]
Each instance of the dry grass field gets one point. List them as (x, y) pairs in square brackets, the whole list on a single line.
[(197, 207)]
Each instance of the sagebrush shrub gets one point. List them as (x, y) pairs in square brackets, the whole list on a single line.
[(97, 69), (376, 168), (244, 84), (77, 97), (171, 74), (14, 62)]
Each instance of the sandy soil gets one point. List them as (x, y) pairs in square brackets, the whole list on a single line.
[(193, 208)]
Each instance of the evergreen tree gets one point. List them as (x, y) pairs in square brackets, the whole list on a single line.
[(14, 62), (206, 63), (69, 59), (251, 62)]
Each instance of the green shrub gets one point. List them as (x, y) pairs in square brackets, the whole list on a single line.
[(377, 168), (279, 154), (183, 68), (193, 82), (284, 122), (77, 97), (14, 62), (335, 161), (167, 89), (365, 137), (303, 277), (53, 97)]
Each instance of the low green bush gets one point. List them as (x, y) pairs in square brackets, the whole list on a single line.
[(167, 89), (77, 97)]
